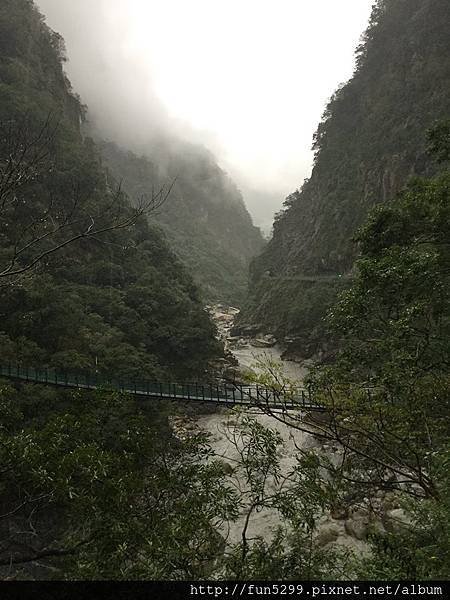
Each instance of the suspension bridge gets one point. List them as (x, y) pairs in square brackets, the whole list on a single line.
[(223, 393)]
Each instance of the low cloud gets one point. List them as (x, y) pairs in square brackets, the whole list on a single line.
[(247, 80)]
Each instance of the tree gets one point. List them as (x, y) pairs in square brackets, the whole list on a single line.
[(36, 227), (296, 498), (387, 393), (96, 486)]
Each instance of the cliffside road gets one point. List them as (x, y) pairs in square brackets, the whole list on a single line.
[(343, 277)]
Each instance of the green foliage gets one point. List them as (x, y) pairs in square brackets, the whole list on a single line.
[(420, 550), (96, 486), (297, 498), (386, 392), (299, 314), (369, 143), (291, 555), (119, 302), (204, 218), (395, 316), (393, 325), (438, 141)]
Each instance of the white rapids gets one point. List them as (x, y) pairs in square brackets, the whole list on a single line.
[(265, 522)]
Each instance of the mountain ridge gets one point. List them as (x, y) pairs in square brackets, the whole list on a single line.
[(118, 302), (370, 142), (205, 218)]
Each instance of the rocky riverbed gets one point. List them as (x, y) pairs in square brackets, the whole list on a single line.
[(347, 527), (246, 352)]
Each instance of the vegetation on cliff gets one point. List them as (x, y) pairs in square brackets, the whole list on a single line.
[(386, 394), (95, 485), (370, 142), (204, 219), (87, 284), (113, 297)]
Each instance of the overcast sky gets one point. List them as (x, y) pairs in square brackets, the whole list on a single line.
[(247, 78)]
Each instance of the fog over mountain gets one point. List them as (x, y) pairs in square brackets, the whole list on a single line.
[(248, 80), (181, 400)]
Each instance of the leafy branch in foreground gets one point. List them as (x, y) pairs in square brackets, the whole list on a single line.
[(95, 485), (387, 392), (280, 507)]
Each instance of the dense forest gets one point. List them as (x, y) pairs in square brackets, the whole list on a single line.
[(370, 142), (204, 218), (97, 485), (87, 284), (115, 301)]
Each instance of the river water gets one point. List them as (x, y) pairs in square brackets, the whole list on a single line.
[(228, 448), (248, 358)]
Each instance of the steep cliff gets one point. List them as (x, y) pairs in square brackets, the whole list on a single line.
[(204, 218), (118, 302), (370, 142)]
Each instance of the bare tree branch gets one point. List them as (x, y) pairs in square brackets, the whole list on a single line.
[(32, 234)]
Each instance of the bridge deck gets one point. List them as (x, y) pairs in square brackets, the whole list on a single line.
[(227, 394)]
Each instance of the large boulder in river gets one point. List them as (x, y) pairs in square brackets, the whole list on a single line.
[(357, 527), (245, 330), (328, 532), (268, 341)]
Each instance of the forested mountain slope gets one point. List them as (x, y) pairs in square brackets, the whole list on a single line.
[(118, 301), (370, 142), (204, 218)]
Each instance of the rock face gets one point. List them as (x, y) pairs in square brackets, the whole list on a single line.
[(224, 316), (370, 142)]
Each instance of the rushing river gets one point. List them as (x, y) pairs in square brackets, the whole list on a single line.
[(226, 448), (220, 425), (248, 357)]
